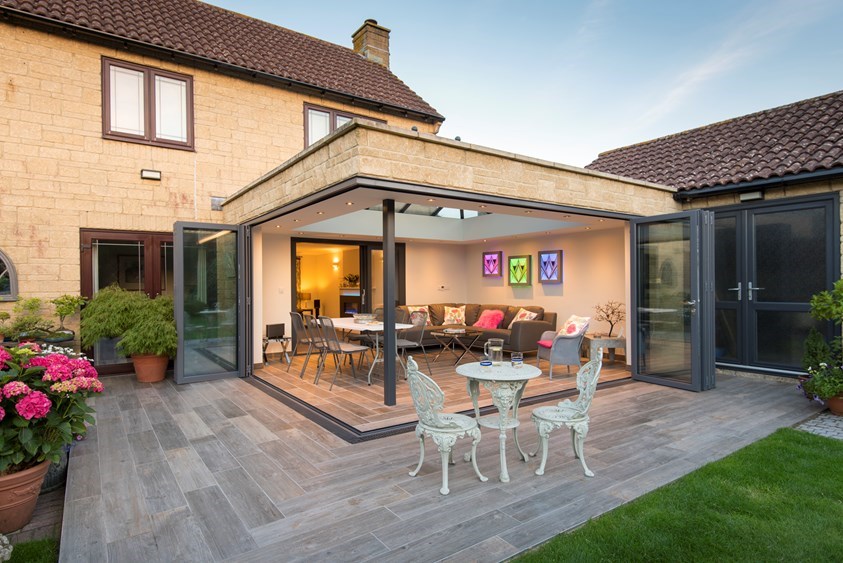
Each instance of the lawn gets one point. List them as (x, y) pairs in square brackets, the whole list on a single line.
[(779, 499), (38, 551)]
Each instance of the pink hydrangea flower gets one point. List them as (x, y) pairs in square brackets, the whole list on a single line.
[(2, 413), (31, 345), (57, 372), (15, 388), (4, 356), (34, 405), (80, 367), (77, 384)]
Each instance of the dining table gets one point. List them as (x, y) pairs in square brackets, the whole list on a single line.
[(373, 328), (506, 383)]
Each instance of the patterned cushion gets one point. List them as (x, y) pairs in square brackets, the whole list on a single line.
[(574, 325), (546, 343), (411, 308), (454, 315), (523, 315), (490, 318)]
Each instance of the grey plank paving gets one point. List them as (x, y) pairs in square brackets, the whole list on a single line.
[(218, 470)]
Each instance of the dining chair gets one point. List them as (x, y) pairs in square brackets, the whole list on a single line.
[(571, 414), (301, 338), (561, 349), (443, 428), (339, 349), (413, 337), (317, 343)]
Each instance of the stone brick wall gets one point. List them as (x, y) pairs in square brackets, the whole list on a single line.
[(381, 151), (57, 173)]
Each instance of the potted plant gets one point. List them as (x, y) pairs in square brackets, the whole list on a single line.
[(145, 327), (351, 280), (826, 384), (43, 409), (611, 312), (29, 324), (66, 306), (825, 374)]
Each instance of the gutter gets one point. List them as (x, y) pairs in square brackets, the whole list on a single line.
[(755, 185), (10, 14)]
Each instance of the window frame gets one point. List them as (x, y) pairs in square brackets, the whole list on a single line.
[(6, 262), (149, 109), (333, 113)]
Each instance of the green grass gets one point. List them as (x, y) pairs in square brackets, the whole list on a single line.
[(38, 551), (779, 499)]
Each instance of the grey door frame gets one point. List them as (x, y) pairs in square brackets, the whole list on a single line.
[(701, 240), (243, 313)]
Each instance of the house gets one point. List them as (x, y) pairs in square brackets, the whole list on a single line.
[(773, 180), (253, 172)]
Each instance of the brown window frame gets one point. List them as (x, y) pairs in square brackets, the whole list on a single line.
[(334, 113), (149, 136)]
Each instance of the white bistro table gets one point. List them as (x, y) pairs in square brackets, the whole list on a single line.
[(506, 384), (348, 324)]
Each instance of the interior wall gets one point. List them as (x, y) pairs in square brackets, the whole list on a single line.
[(436, 273), (594, 270), (272, 303)]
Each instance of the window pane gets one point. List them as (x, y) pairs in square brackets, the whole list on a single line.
[(170, 109), (318, 125), (725, 258), (126, 100), (342, 120), (780, 337)]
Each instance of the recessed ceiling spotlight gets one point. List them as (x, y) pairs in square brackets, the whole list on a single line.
[(296, 220), (588, 228), (483, 207), (430, 199), (484, 240), (602, 220), (528, 212), (349, 203), (320, 212), (277, 226), (547, 232), (566, 216)]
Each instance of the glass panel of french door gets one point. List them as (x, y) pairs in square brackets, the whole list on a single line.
[(208, 283), (729, 288), (672, 259)]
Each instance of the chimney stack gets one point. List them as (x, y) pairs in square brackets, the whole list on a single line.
[(372, 41)]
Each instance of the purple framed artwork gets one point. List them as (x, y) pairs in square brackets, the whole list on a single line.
[(492, 264), (550, 266)]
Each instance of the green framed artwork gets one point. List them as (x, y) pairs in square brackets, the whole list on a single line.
[(519, 270)]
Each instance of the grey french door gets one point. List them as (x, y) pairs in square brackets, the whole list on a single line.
[(210, 293), (672, 300), (770, 260)]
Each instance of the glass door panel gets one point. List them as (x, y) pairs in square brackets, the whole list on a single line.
[(728, 288), (207, 301), (671, 300)]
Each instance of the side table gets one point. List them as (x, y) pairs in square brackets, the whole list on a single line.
[(595, 342)]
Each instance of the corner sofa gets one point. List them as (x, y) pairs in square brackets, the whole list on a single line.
[(523, 336)]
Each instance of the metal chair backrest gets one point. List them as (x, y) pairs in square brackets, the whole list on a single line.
[(329, 334), (419, 321), (428, 398), (587, 382), (314, 333), (378, 313), (299, 330)]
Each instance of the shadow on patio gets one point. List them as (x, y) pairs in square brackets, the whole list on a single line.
[(219, 470)]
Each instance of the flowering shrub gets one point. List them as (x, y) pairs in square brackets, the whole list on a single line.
[(43, 395), (825, 382)]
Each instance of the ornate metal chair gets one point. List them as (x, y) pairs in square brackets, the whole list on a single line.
[(414, 337), (560, 349), (445, 429), (572, 414)]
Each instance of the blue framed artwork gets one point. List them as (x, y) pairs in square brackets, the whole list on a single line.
[(550, 266)]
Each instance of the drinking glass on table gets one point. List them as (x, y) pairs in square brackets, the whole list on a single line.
[(517, 359)]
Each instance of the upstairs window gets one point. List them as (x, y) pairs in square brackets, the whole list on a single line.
[(8, 279), (320, 122), (146, 105)]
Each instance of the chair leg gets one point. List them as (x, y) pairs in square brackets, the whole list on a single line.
[(424, 353), (336, 373), (551, 370), (581, 431), (420, 436), (517, 445), (445, 458), (292, 355), (543, 431), (306, 360)]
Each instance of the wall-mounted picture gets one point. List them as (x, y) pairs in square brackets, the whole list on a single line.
[(550, 266), (519, 270), (492, 264)]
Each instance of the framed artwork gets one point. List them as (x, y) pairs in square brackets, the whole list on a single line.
[(492, 262), (519, 270), (550, 266), (129, 272)]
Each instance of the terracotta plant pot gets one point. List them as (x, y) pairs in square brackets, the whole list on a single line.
[(149, 369), (835, 405), (18, 495)]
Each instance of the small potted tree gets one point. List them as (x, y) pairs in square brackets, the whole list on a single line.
[(825, 380), (145, 327), (29, 324), (611, 312), (66, 306)]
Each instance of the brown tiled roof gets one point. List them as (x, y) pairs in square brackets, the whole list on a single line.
[(201, 30), (802, 137)]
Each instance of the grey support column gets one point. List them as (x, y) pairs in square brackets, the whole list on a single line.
[(390, 286)]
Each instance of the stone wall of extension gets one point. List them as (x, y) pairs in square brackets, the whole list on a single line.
[(381, 151), (58, 174)]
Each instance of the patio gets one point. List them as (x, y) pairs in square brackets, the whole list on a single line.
[(219, 470)]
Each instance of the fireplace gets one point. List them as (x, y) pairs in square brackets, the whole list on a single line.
[(349, 301)]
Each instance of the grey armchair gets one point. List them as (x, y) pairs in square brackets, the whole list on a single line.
[(563, 349)]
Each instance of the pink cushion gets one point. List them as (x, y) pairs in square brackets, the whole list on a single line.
[(546, 343), (490, 318)]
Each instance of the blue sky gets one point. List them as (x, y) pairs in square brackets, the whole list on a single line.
[(565, 80)]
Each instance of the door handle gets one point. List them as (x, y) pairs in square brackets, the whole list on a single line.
[(692, 304), (738, 289), (751, 289), (362, 297)]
